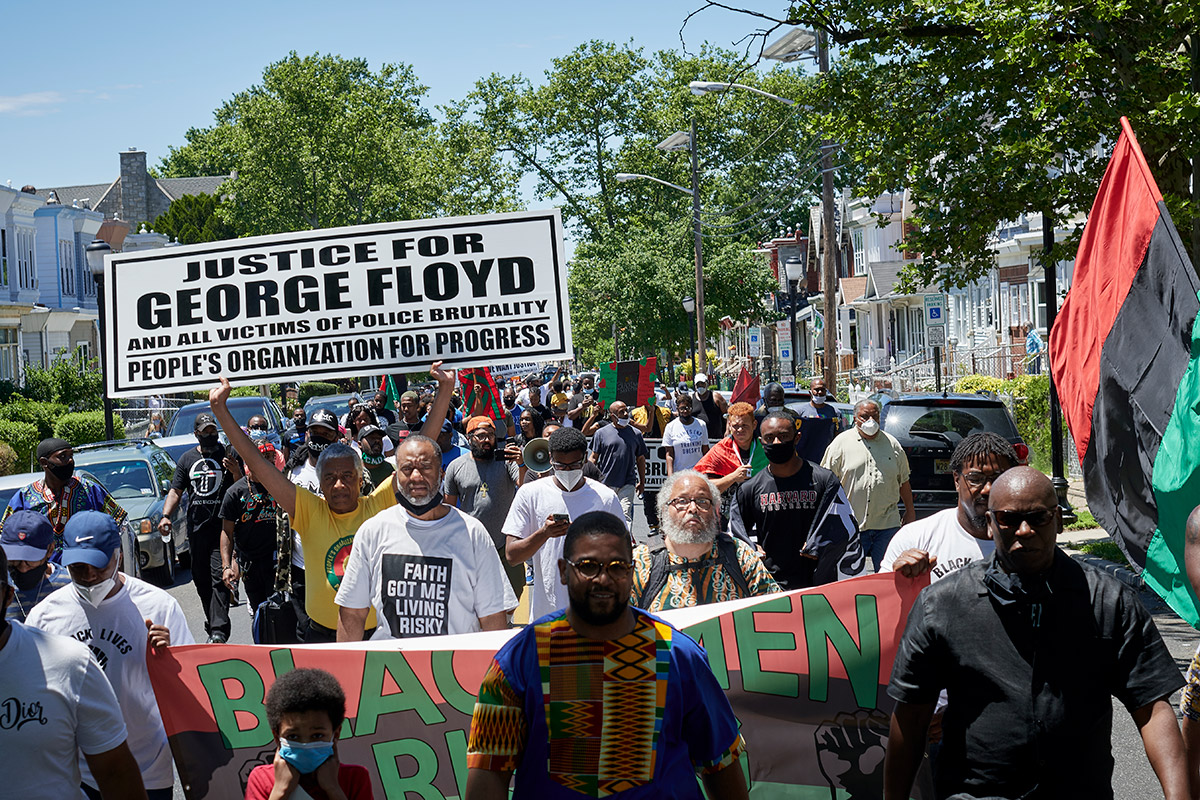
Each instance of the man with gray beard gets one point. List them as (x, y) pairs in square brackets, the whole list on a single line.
[(697, 563)]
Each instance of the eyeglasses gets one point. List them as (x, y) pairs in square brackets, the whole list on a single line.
[(483, 436), (572, 465), (590, 568), (978, 479), (1011, 520), (681, 503)]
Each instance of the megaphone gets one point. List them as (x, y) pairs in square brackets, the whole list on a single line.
[(536, 455)]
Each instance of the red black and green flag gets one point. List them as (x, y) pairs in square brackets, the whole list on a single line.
[(1125, 355), (631, 382), (393, 386), (481, 393)]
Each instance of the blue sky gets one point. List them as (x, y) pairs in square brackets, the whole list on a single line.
[(83, 82)]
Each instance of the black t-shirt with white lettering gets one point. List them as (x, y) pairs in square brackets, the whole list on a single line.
[(205, 480)]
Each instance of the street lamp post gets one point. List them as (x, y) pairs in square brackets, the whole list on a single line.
[(689, 306), (96, 251), (794, 272)]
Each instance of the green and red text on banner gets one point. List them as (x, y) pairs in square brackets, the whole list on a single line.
[(806, 673)]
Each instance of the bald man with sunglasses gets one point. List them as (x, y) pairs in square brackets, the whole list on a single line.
[(1030, 646)]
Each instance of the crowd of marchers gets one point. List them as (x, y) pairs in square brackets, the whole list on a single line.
[(433, 518)]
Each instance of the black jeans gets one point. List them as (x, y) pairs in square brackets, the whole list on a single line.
[(298, 602), (258, 576), (214, 594), (650, 505)]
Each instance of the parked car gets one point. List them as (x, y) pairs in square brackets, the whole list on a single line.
[(930, 426), (339, 404), (137, 473), (11, 484), (181, 435)]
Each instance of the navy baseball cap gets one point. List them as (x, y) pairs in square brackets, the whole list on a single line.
[(367, 430), (27, 536), (90, 537)]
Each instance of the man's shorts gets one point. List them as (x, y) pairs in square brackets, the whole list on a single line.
[(1189, 700)]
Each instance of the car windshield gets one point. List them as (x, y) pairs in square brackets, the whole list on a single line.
[(6, 495), (954, 423), (124, 478), (184, 420)]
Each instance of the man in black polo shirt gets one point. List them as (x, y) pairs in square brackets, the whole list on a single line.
[(1030, 646)]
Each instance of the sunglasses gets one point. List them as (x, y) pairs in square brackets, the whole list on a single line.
[(590, 568), (1011, 520)]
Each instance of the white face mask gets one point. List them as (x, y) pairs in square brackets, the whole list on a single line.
[(869, 428), (569, 478), (94, 595), (773, 409), (622, 421), (818, 399)]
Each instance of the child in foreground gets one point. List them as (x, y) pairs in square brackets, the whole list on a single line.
[(305, 709)]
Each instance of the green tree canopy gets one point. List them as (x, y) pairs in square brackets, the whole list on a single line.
[(193, 218), (325, 141), (986, 111), (600, 111)]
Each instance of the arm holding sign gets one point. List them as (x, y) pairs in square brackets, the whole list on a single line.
[(276, 483), (441, 402)]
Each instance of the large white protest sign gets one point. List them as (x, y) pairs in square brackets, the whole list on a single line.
[(364, 300)]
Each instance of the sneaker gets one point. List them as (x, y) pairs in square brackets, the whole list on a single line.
[(217, 638)]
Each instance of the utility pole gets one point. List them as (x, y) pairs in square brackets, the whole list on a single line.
[(829, 246), (1050, 266), (702, 354)]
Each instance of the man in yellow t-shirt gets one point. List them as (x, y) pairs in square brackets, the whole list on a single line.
[(326, 524)]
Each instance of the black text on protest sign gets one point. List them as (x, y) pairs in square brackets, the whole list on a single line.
[(416, 594), (350, 301)]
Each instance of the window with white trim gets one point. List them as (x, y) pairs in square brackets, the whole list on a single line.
[(10, 355)]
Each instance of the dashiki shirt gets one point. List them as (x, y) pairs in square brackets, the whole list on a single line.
[(636, 717), (697, 582), (78, 495)]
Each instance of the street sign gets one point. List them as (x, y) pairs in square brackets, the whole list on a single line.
[(935, 309), (755, 339), (935, 336)]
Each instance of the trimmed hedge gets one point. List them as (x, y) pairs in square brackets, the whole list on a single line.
[(82, 427), (23, 438), (41, 415), (1031, 409), (8, 459), (315, 389)]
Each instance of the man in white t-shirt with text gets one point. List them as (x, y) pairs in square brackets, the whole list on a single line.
[(953, 538), (62, 704), (119, 618), (426, 568), (542, 511), (685, 438)]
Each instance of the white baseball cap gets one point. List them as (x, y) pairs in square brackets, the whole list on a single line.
[(700, 378)]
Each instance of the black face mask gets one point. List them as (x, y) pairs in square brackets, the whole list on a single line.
[(24, 581), (509, 402), (424, 508), (316, 445), (779, 452), (61, 471), (208, 442)]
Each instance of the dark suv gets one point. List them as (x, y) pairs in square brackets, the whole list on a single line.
[(930, 426)]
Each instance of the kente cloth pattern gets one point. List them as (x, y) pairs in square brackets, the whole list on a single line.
[(708, 582), (78, 495)]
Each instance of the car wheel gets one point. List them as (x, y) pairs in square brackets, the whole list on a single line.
[(165, 575)]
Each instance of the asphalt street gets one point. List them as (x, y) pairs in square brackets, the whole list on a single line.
[(1133, 779)]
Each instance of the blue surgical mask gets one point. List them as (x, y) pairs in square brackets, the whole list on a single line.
[(305, 757)]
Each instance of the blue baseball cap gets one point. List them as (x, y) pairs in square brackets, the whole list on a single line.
[(27, 536), (90, 537)]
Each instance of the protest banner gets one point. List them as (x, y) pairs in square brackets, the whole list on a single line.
[(631, 382), (365, 300), (806, 673)]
